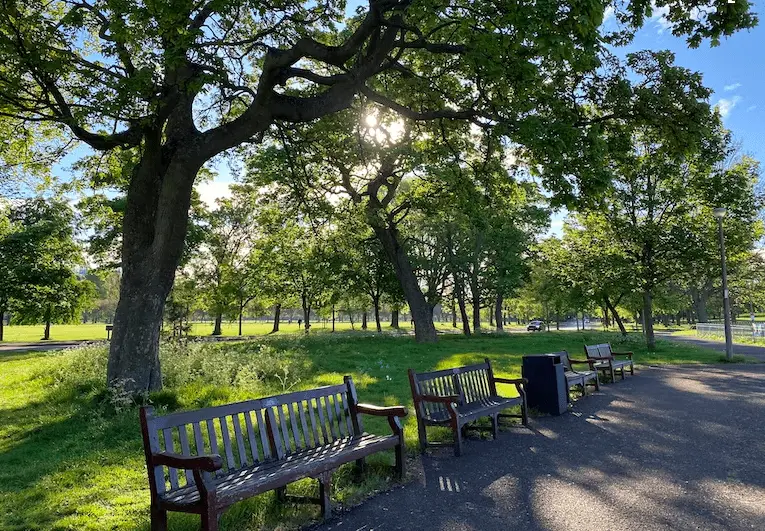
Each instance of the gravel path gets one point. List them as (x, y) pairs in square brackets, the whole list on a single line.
[(671, 448)]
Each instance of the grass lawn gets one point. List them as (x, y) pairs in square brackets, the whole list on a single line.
[(97, 331), (71, 454)]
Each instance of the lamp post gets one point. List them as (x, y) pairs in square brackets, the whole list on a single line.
[(719, 213)]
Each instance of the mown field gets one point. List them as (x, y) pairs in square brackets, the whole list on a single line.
[(97, 331), (71, 454)]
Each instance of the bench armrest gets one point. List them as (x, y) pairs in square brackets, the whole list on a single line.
[(514, 381), (206, 463), (591, 362), (394, 414), (382, 411)]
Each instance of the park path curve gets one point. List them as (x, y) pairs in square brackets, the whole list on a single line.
[(752, 351), (671, 448)]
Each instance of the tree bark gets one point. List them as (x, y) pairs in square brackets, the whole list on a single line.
[(153, 235), (277, 317), (376, 304), (650, 339), (217, 327), (241, 312), (498, 317), (364, 321), (424, 329), (2, 321), (454, 312), (46, 334), (476, 296), (394, 319), (463, 310), (306, 314), (615, 314)]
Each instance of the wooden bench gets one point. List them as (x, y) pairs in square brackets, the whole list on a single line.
[(574, 377), (455, 397), (203, 461), (605, 362)]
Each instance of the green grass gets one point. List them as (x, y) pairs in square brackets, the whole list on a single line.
[(71, 455), (97, 331)]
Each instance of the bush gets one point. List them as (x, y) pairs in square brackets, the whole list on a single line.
[(253, 368)]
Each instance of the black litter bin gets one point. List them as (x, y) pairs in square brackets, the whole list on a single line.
[(546, 390)]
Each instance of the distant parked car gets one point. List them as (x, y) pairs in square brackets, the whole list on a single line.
[(535, 326)]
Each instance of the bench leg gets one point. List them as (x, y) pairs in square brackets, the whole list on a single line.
[(495, 426), (361, 467), (632, 369), (623, 372), (457, 440), (281, 494), (325, 484), (400, 459), (597, 382), (423, 436), (209, 520), (158, 519)]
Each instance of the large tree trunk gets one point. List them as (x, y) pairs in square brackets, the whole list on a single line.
[(2, 321), (454, 312), (277, 317), (615, 314), (376, 304), (46, 334), (650, 339), (463, 310), (394, 319), (153, 235), (476, 296), (700, 298), (498, 317), (306, 314), (424, 329), (241, 312), (217, 331), (364, 321)]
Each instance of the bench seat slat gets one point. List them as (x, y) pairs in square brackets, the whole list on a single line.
[(246, 482)]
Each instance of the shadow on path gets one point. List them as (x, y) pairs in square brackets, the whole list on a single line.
[(671, 448)]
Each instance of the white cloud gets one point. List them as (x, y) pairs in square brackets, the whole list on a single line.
[(751, 108), (209, 191), (609, 14), (734, 86), (725, 105), (660, 17)]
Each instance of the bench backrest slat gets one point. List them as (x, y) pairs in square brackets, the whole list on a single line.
[(251, 432), (602, 350)]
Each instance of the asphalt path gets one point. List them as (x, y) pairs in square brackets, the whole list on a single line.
[(668, 449), (752, 351)]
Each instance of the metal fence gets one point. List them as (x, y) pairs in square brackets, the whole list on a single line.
[(753, 330)]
